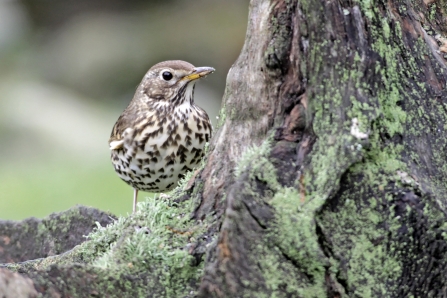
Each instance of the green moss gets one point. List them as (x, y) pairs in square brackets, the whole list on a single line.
[(147, 251), (155, 240), (432, 13), (258, 154), (221, 118), (302, 272), (280, 277), (336, 152), (378, 115), (356, 232), (299, 244)]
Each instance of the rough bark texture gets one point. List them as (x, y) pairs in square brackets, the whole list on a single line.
[(34, 238), (326, 177), (348, 199)]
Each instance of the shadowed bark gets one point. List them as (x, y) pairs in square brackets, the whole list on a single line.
[(35, 238), (325, 178)]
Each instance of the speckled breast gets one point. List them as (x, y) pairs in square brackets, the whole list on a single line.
[(156, 155)]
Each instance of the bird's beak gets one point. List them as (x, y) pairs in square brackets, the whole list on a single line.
[(198, 72)]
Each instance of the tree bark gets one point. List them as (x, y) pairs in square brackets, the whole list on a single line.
[(333, 119), (325, 178)]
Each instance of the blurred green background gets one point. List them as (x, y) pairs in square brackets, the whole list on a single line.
[(69, 68)]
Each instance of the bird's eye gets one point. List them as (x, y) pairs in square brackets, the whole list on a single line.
[(167, 75)]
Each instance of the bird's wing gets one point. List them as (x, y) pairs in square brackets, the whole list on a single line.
[(204, 116), (114, 145), (116, 140), (123, 127)]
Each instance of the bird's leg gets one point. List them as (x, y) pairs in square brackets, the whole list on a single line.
[(135, 199)]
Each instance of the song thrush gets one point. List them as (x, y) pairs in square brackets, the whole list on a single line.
[(162, 133)]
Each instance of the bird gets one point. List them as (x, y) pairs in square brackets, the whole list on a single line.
[(162, 133)]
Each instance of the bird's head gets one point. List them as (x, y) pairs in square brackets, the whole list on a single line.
[(171, 82)]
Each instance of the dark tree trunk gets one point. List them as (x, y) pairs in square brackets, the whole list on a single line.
[(334, 118), (326, 177)]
